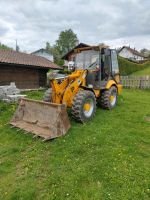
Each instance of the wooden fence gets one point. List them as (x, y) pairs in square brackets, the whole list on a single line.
[(141, 82)]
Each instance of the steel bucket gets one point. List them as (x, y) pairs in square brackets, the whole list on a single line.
[(47, 120)]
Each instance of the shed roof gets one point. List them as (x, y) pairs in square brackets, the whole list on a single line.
[(18, 58)]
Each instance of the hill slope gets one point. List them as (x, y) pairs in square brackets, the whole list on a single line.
[(143, 72), (127, 67)]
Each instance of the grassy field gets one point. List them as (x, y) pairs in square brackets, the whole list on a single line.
[(106, 159), (143, 72)]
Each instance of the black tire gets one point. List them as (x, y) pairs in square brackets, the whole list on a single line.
[(81, 100), (48, 95), (105, 99)]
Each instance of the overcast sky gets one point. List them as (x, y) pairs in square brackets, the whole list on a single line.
[(114, 22)]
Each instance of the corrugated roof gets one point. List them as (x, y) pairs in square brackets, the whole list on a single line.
[(14, 57)]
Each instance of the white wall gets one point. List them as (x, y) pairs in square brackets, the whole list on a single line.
[(45, 55), (125, 53), (66, 62)]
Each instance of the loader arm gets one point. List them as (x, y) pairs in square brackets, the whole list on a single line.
[(72, 89), (58, 89), (63, 90)]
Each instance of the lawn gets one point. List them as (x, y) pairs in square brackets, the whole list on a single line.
[(106, 159)]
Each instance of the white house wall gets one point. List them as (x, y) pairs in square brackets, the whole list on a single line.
[(45, 55), (125, 53)]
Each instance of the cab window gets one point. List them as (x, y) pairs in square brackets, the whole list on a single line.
[(115, 67)]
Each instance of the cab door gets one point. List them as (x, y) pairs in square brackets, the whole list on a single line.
[(115, 66)]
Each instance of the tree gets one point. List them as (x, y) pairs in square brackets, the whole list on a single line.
[(67, 40), (48, 47), (3, 46), (145, 52)]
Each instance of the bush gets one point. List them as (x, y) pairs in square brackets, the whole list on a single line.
[(65, 71), (127, 67)]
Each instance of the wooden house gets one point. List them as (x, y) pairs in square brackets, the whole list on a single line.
[(69, 58)]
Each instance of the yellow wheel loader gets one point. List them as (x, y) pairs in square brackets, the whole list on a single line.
[(95, 81)]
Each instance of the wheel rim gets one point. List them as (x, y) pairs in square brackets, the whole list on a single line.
[(88, 107), (112, 99)]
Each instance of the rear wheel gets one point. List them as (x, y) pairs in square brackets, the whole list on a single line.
[(84, 106), (108, 99), (48, 95)]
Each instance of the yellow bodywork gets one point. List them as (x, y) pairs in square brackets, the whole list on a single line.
[(118, 85), (63, 92)]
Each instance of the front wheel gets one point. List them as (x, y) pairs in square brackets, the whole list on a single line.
[(108, 99), (84, 106)]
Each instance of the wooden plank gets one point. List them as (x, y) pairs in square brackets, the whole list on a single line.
[(24, 77), (140, 82)]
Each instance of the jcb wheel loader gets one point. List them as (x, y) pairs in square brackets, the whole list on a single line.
[(95, 81)]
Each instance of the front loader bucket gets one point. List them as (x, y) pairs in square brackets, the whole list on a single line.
[(47, 120)]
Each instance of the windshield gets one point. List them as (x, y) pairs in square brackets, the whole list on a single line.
[(85, 59)]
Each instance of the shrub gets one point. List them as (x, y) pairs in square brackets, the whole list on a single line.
[(127, 67)]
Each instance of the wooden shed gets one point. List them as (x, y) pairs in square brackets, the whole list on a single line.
[(70, 56), (26, 70)]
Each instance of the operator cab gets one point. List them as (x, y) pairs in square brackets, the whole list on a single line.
[(101, 63)]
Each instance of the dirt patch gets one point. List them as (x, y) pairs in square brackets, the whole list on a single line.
[(147, 118)]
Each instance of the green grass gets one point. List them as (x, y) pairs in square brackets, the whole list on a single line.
[(142, 72), (127, 67), (106, 159)]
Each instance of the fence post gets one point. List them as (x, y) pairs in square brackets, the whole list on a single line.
[(142, 82)]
